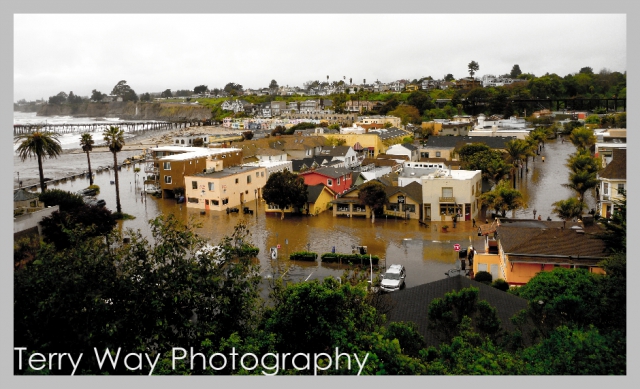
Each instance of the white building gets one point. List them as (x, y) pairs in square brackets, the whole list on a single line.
[(449, 193)]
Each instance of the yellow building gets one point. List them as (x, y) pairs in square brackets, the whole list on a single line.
[(231, 187)]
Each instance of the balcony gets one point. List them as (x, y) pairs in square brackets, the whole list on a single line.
[(447, 199)]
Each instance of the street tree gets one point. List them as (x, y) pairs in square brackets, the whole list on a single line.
[(581, 182), (568, 209), (373, 195), (114, 138), (285, 189), (582, 138), (86, 142), (166, 93), (407, 114), (38, 144), (503, 198), (516, 150), (473, 68), (583, 161), (421, 100)]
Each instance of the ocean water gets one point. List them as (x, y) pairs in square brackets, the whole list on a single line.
[(70, 141)]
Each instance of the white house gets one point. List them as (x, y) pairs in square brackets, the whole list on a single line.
[(450, 193)]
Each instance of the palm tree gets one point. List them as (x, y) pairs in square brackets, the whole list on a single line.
[(581, 182), (568, 209), (86, 141), (516, 150), (38, 144), (502, 198), (583, 161), (582, 138), (114, 138)]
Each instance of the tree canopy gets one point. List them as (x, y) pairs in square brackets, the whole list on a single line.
[(285, 189), (123, 90)]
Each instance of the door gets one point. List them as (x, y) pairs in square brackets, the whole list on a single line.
[(494, 272), (427, 211)]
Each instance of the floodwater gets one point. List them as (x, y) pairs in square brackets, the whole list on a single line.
[(426, 252)]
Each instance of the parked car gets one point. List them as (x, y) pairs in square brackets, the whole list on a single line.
[(98, 203), (393, 279), (87, 192)]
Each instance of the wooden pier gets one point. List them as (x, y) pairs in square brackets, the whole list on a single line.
[(130, 127)]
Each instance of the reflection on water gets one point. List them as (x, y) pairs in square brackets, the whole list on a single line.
[(427, 253)]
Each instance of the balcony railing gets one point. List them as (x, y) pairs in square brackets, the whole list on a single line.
[(447, 199)]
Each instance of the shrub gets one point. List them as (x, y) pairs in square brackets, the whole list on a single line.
[(500, 284), (483, 276), (354, 259), (66, 200), (303, 256)]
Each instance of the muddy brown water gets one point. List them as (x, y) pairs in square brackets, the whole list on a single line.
[(426, 252)]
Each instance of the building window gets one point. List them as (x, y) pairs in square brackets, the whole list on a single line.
[(193, 200), (194, 184), (249, 179), (410, 207), (605, 188), (167, 179), (329, 182), (343, 207), (166, 165), (215, 202), (446, 209), (225, 201), (620, 188), (447, 192), (338, 181), (211, 186), (237, 180), (437, 154), (393, 207), (257, 174)]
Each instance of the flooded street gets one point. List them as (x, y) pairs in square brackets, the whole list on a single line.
[(426, 252)]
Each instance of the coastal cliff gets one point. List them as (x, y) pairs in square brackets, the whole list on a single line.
[(128, 111)]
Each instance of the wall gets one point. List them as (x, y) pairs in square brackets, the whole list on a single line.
[(31, 220)]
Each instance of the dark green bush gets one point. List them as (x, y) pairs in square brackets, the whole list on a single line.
[(303, 256), (483, 276), (500, 284), (354, 259)]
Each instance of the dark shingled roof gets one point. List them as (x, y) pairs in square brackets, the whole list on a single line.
[(412, 304), (413, 190), (617, 168), (23, 195), (333, 172), (335, 151), (495, 142)]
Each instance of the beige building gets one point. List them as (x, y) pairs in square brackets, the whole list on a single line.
[(230, 187), (379, 119), (447, 193)]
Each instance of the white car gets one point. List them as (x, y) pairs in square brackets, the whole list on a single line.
[(393, 279)]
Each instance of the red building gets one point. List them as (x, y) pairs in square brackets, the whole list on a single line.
[(337, 179)]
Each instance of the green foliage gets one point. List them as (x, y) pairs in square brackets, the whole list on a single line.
[(500, 284), (303, 256), (581, 181), (38, 144), (582, 138), (583, 161), (483, 276), (373, 195), (123, 90), (503, 198), (198, 142), (473, 68), (285, 189), (592, 119), (569, 208), (615, 234), (447, 313), (66, 228), (355, 259), (66, 200), (572, 351), (114, 139)]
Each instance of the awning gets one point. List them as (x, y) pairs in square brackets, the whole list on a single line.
[(358, 146)]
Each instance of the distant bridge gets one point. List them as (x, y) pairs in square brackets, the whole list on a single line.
[(130, 127)]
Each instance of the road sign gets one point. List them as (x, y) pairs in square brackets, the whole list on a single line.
[(456, 247), (278, 246), (400, 199)]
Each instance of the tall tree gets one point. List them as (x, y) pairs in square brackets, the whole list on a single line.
[(86, 141), (166, 93), (473, 68), (449, 77), (274, 84), (114, 138), (200, 89), (515, 71), (581, 182), (97, 96), (583, 138), (40, 145), (373, 195), (123, 90), (285, 189), (583, 161)]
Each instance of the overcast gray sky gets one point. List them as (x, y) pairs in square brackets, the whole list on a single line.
[(81, 52)]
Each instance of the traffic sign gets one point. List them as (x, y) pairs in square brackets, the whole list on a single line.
[(278, 246), (456, 247)]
